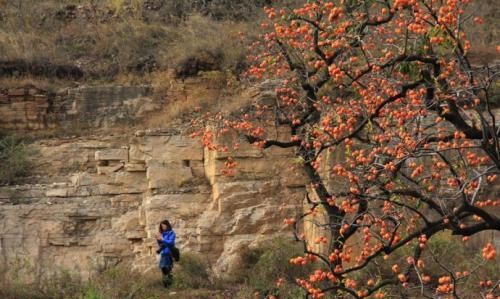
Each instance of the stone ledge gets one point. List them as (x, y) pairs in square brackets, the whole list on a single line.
[(112, 155)]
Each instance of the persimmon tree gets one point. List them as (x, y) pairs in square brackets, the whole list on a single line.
[(389, 83)]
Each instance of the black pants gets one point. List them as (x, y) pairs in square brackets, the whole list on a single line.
[(167, 279)]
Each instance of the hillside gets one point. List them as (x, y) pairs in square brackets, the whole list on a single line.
[(122, 40)]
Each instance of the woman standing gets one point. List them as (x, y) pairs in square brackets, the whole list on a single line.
[(166, 241)]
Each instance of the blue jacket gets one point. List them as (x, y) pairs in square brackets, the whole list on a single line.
[(167, 242)]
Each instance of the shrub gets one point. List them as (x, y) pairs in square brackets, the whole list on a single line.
[(20, 67), (230, 9), (268, 263), (174, 12), (204, 60), (14, 283), (442, 255), (91, 293), (207, 45), (61, 284), (191, 273), (14, 159)]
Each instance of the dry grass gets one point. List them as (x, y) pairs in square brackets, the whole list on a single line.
[(115, 283), (185, 104), (107, 39), (217, 43), (184, 99), (191, 280), (48, 84)]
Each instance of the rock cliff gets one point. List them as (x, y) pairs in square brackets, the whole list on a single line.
[(94, 202)]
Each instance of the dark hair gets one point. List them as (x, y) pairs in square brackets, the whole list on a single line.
[(167, 223)]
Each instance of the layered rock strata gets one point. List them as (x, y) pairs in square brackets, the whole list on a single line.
[(99, 200)]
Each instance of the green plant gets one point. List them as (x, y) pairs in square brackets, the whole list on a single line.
[(92, 293), (442, 255), (17, 282), (268, 263), (14, 159), (191, 272), (60, 284)]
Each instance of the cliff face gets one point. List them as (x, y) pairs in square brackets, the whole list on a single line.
[(98, 200), (31, 108)]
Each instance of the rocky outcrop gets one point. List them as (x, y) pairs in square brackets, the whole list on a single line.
[(31, 108), (87, 107), (98, 202), (26, 108), (104, 106)]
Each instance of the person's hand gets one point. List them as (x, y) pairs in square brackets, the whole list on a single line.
[(159, 237)]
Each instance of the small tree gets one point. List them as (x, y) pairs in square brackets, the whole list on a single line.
[(389, 84)]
